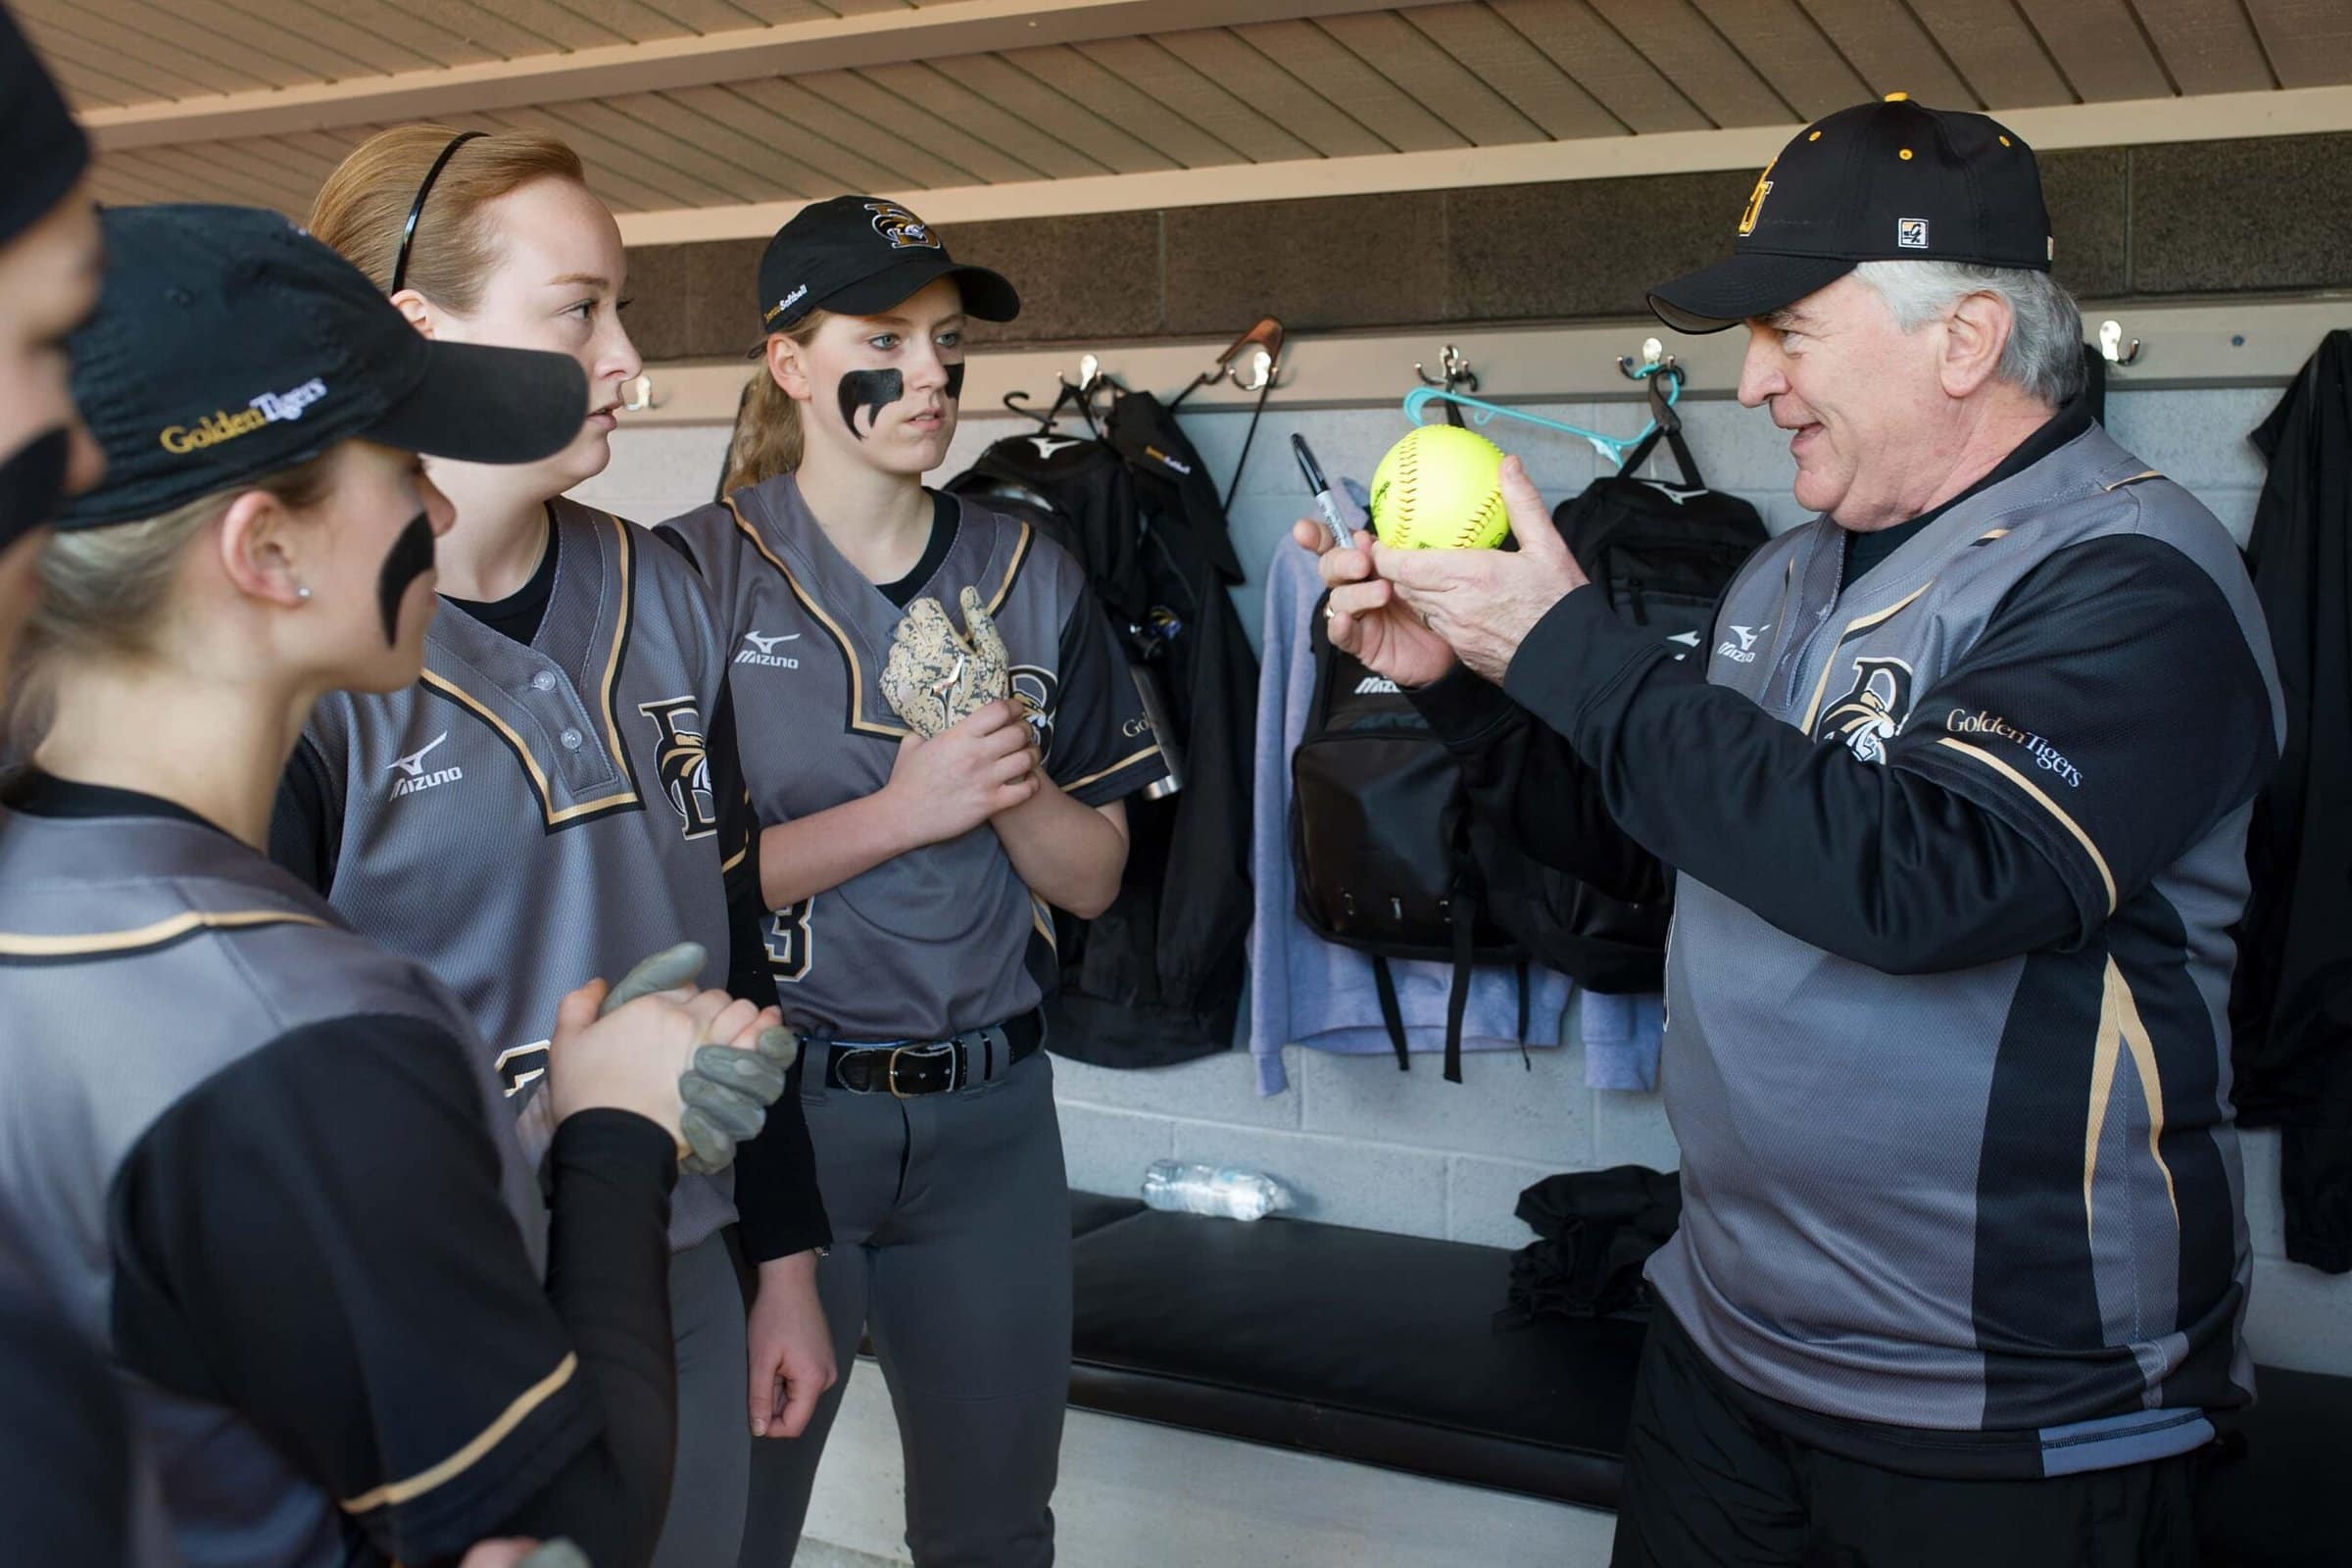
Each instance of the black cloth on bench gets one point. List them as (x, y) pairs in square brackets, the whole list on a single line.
[(1355, 1344)]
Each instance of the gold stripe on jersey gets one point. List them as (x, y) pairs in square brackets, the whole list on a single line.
[(858, 719), (1123, 762), (2098, 860), (1861, 623), (2132, 478), (625, 798), (1012, 572), (2122, 1029), (458, 1463), (1041, 920), (144, 937)]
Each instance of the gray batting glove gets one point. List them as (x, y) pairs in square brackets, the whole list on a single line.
[(726, 1091), (556, 1554), (727, 1095), (666, 970)]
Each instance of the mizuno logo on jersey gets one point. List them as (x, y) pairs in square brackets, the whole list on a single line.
[(1047, 445), (413, 777), (685, 762), (1375, 686), (763, 651), (1743, 651)]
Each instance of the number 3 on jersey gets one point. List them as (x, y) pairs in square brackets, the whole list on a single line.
[(789, 940)]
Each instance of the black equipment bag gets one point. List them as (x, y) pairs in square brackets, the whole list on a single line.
[(1381, 837), (1664, 555)]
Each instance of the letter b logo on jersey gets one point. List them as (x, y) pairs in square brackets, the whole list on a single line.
[(1873, 712), (685, 764)]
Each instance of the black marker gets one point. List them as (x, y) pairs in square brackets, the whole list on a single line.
[(1340, 514)]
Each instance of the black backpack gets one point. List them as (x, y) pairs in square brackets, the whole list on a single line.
[(1664, 555), (1382, 842)]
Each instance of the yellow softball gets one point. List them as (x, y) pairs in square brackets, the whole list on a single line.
[(1440, 488)]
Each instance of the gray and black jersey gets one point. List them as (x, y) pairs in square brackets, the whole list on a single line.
[(255, 1155), (541, 808), (1960, 840), (947, 937)]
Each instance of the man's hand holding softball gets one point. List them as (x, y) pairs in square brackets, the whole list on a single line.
[(1409, 615)]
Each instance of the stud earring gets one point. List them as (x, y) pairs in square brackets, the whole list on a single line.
[(302, 591)]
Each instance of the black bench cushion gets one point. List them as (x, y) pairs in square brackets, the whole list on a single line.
[(1090, 1211), (2268, 1494), (1353, 1344)]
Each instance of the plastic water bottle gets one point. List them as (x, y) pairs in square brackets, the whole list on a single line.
[(1229, 1193)]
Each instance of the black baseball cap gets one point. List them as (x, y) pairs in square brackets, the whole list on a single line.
[(861, 255), (1890, 181), (230, 345), (43, 150)]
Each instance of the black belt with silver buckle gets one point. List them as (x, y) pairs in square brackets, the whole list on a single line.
[(935, 1066)]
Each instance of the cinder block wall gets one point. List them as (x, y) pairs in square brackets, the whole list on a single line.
[(1367, 1146)]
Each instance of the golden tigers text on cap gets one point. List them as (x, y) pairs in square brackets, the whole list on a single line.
[(213, 429)]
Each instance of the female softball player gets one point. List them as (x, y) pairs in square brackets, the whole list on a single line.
[(560, 793), (926, 792), (260, 1159)]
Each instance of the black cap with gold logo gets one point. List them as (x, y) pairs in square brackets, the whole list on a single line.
[(1887, 182), (861, 255), (230, 345)]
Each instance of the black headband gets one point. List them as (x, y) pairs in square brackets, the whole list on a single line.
[(408, 235)]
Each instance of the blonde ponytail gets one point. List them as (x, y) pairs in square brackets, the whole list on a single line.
[(768, 439)]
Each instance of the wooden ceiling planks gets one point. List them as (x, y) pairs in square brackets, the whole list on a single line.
[(796, 161), (1230, 60), (1056, 114), (2098, 46), (1427, 73), (1997, 53), (152, 68), (1075, 75), (2309, 42), (1684, 46), (921, 82), (1336, 71), (1497, 54), (1884, 41), (2206, 45), (974, 158), (1572, 36), (1199, 99), (866, 156), (1789, 50)]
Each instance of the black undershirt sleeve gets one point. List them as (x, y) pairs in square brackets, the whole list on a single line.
[(1931, 860), (776, 1195), (306, 828), (64, 1444), (1525, 776), (337, 1191)]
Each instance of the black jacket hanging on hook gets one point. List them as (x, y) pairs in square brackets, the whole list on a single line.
[(2290, 1010), (1157, 978)]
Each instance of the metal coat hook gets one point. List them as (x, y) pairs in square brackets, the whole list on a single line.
[(1457, 371), (1655, 359), (2111, 344), (637, 394)]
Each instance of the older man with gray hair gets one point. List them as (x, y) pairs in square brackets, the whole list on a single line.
[(1955, 804)]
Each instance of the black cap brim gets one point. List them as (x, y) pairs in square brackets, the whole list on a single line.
[(986, 294), (479, 403), (1751, 283)]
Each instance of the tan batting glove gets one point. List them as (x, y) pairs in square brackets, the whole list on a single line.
[(935, 678)]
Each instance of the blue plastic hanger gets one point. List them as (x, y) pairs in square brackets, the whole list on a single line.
[(1612, 449)]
